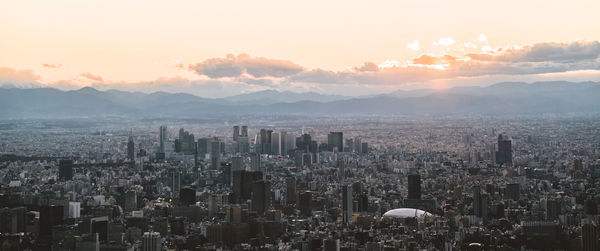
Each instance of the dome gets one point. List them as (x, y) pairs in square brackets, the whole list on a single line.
[(406, 213)]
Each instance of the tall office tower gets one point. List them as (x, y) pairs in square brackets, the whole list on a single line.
[(65, 169), (303, 142), (236, 133), (290, 190), (174, 176), (255, 162), (263, 145), (504, 153), (590, 232), (347, 202), (130, 147), (237, 163), (477, 201), (151, 241), (244, 131), (364, 147), (331, 245), (202, 147), (215, 153), (335, 141), (290, 143), (282, 144), (275, 143), (357, 145), (185, 143), (552, 208), (242, 184), (261, 196), (349, 145), (513, 191), (212, 205), (414, 186), (162, 138), (187, 196), (130, 201), (50, 216), (305, 203)]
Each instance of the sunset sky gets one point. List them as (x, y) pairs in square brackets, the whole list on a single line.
[(221, 48)]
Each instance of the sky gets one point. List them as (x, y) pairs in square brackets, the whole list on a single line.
[(223, 48)]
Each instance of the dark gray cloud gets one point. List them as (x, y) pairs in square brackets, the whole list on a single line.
[(540, 52), (535, 59), (235, 66)]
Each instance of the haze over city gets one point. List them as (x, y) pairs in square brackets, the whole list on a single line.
[(308, 125)]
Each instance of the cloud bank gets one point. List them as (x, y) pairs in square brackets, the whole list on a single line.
[(235, 74)]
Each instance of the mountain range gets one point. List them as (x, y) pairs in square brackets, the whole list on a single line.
[(497, 99)]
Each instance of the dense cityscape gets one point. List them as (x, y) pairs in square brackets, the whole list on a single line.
[(301, 183)]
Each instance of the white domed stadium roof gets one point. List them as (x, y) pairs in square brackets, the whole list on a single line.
[(406, 213)]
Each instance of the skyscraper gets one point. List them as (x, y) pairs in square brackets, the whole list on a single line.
[(245, 131), (174, 176), (590, 233), (130, 148), (347, 202), (513, 191), (255, 162), (236, 132), (151, 241), (215, 153), (275, 143), (504, 153), (290, 190), (305, 203), (414, 186), (65, 169), (162, 138), (335, 141), (261, 196)]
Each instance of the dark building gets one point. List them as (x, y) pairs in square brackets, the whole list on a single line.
[(335, 141), (50, 216), (264, 142), (504, 153), (261, 196), (303, 143), (590, 234), (215, 154), (130, 148), (100, 225), (187, 196), (305, 203), (513, 191), (242, 184), (186, 142), (414, 186), (290, 190), (65, 169), (347, 203), (236, 133), (162, 138), (202, 147)]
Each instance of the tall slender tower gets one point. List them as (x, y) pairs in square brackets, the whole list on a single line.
[(131, 147), (236, 133), (162, 138)]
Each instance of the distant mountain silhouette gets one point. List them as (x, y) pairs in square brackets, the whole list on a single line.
[(501, 98)]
